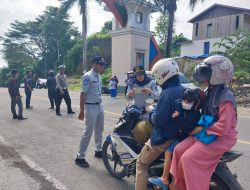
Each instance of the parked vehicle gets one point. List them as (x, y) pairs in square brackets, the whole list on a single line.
[(105, 90), (22, 85), (121, 150), (184, 82), (41, 83)]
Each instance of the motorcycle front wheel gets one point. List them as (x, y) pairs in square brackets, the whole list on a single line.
[(112, 161)]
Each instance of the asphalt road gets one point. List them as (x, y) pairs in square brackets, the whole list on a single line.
[(39, 153)]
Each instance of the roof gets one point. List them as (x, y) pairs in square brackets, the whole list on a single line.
[(236, 9)]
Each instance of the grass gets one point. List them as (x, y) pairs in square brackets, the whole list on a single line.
[(74, 83)]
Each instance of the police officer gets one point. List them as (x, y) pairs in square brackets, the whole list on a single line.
[(62, 91), (13, 87), (91, 110), (141, 87), (28, 83), (51, 84)]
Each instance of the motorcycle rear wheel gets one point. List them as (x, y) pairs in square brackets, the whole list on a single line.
[(111, 160), (217, 184)]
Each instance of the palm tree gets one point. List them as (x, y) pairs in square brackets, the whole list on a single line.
[(168, 7), (82, 4)]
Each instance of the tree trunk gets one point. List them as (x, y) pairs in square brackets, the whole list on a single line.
[(84, 37), (58, 51), (170, 32)]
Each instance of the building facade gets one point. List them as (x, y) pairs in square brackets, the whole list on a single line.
[(132, 40), (211, 25)]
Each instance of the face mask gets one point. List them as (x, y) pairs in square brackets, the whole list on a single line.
[(186, 106)]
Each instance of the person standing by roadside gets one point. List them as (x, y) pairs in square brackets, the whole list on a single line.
[(51, 84), (126, 83), (28, 83), (116, 82), (35, 80), (91, 110), (13, 87), (62, 91), (112, 87)]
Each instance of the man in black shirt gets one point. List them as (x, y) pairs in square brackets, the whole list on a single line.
[(51, 84), (28, 82), (13, 87)]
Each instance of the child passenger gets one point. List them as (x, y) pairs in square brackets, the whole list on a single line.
[(186, 116)]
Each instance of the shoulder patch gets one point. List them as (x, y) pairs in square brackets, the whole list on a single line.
[(86, 81)]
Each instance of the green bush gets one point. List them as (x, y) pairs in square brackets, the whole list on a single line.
[(189, 73), (241, 77), (106, 76)]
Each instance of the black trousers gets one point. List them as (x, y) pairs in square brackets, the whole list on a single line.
[(19, 103), (126, 90), (28, 97), (59, 98), (52, 97)]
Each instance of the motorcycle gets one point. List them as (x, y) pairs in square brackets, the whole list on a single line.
[(121, 150)]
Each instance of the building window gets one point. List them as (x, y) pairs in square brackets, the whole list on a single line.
[(209, 30), (196, 29), (237, 22), (139, 17), (140, 58), (206, 49)]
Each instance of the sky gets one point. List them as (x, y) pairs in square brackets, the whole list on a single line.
[(24, 10)]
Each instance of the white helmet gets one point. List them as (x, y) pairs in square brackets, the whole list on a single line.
[(164, 69), (215, 69)]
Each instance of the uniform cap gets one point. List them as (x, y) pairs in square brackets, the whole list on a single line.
[(139, 70), (99, 60), (62, 67)]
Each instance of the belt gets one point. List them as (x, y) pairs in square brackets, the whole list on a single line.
[(93, 103)]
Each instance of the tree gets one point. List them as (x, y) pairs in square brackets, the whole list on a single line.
[(41, 44), (237, 48), (107, 27), (176, 44), (98, 44), (168, 8), (161, 30), (82, 4)]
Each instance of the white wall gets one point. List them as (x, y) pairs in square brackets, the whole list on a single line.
[(196, 48), (125, 43)]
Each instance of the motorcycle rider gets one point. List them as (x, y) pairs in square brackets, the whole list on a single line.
[(187, 115), (194, 162), (166, 73), (141, 87)]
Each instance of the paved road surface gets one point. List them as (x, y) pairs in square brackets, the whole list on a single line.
[(39, 153)]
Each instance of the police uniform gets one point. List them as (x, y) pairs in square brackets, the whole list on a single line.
[(94, 113), (61, 86)]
